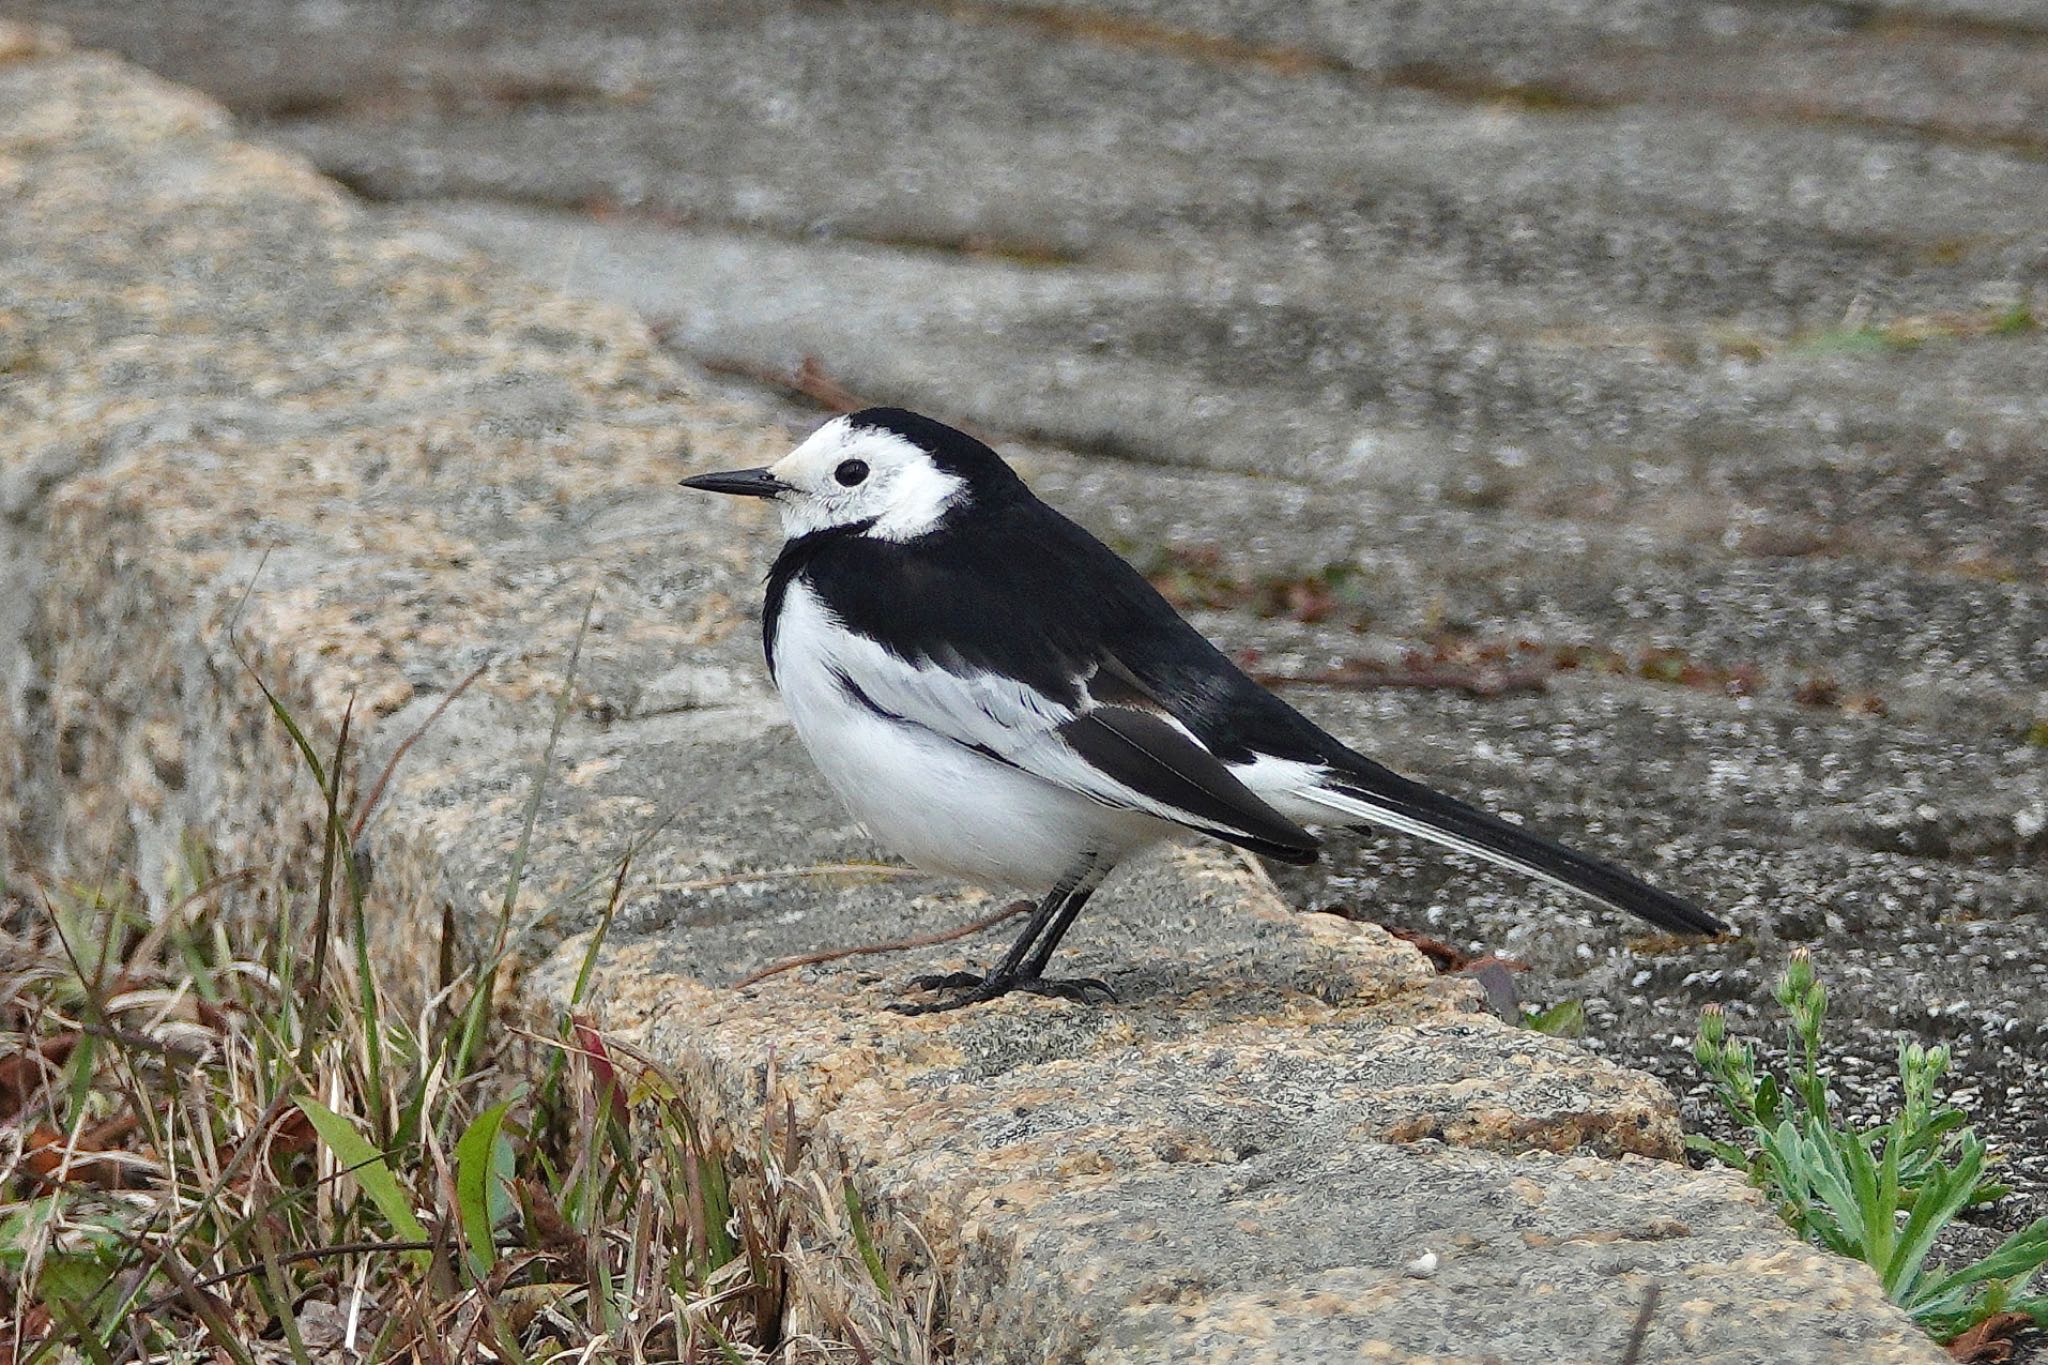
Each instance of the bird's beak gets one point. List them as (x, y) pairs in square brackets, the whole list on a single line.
[(747, 483)]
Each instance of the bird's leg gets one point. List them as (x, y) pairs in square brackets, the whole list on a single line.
[(1023, 967), (1007, 968), (1041, 955)]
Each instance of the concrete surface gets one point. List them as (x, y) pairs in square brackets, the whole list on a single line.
[(1702, 338), (244, 414)]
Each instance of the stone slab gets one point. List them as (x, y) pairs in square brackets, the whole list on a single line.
[(246, 418), (1637, 327)]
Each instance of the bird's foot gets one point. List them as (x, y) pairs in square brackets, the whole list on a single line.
[(947, 981), (973, 988), (1084, 989)]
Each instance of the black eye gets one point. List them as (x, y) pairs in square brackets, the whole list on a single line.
[(851, 472)]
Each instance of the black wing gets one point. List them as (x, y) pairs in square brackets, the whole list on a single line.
[(1003, 650)]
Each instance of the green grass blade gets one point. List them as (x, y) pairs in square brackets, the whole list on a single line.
[(863, 1239), (727, 1352), (480, 1002), (82, 1334), (373, 1013), (588, 967), (540, 775), (1945, 1194), (367, 1165), (1565, 1019), (482, 1173)]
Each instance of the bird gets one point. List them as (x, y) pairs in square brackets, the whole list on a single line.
[(998, 697)]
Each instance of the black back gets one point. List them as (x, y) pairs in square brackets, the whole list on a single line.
[(1006, 584)]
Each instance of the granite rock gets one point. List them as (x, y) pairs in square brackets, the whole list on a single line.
[(251, 430)]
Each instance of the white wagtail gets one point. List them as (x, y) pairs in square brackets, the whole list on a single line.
[(998, 697)]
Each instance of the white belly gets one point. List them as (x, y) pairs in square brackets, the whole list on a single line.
[(941, 805)]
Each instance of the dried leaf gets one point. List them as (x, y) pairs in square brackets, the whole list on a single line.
[(1990, 1342), (604, 1077), (49, 1155), (23, 1073)]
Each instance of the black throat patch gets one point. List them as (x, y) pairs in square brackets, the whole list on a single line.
[(796, 556)]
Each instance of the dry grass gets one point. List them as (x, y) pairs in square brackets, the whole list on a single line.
[(204, 1154), (220, 1141)]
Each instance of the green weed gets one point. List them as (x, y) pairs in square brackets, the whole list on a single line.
[(1882, 1194), (1565, 1019)]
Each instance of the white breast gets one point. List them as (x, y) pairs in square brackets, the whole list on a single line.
[(942, 805)]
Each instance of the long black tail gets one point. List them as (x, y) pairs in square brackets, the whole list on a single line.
[(1375, 795)]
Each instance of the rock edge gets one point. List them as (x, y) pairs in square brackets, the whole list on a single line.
[(221, 373)]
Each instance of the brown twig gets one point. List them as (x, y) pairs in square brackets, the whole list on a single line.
[(1633, 1352), (813, 383), (163, 1301), (1448, 957), (895, 946), (142, 1042), (197, 894), (376, 792), (153, 940), (808, 380), (1479, 682)]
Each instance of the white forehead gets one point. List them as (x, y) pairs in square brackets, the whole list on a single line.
[(904, 494), (838, 441)]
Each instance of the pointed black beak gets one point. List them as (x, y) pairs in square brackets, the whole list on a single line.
[(747, 483)]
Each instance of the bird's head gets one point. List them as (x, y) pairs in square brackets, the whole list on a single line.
[(893, 474)]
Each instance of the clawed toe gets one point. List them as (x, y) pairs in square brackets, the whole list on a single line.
[(1085, 989), (913, 1008), (973, 989), (947, 981), (977, 992)]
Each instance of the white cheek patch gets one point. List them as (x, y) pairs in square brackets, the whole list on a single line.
[(905, 494), (914, 499), (803, 514)]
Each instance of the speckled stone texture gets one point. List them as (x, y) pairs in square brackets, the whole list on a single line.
[(1703, 336), (238, 416)]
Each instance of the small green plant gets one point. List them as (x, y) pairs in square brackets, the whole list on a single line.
[(1565, 1019), (2016, 321), (222, 1137), (1881, 1194)]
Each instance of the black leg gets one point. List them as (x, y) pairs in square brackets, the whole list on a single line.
[(1023, 967), (1057, 930), (1007, 968)]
